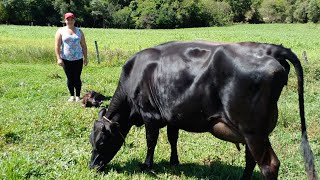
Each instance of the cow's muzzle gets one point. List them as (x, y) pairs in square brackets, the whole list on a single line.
[(97, 162)]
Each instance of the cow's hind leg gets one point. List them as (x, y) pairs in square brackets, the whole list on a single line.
[(264, 155), (173, 134), (250, 164), (152, 133)]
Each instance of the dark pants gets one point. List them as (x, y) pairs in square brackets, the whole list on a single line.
[(73, 71)]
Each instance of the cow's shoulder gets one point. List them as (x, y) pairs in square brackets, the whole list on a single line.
[(141, 60)]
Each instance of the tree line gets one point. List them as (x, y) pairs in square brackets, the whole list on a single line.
[(158, 13)]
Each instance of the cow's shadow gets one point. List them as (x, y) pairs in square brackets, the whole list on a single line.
[(216, 170)]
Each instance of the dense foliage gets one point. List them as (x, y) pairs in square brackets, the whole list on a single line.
[(158, 13)]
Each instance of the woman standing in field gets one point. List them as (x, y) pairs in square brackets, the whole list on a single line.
[(71, 52)]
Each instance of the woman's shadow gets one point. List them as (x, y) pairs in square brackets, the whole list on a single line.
[(215, 170)]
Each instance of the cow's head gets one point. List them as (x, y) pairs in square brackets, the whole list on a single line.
[(92, 99), (106, 140)]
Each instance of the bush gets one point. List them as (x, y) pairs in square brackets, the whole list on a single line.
[(122, 18), (253, 15), (191, 14), (167, 17), (239, 9), (300, 14), (145, 14), (313, 11), (169, 14), (273, 11), (219, 13), (3, 14), (289, 11)]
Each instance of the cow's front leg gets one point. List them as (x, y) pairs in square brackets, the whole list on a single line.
[(250, 164), (173, 134), (152, 133)]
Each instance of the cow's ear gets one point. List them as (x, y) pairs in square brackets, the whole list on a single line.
[(100, 126)]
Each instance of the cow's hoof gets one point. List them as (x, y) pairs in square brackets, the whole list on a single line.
[(174, 161), (145, 167), (148, 169), (174, 164)]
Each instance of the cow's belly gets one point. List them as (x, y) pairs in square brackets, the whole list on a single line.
[(190, 122), (216, 127), (198, 129)]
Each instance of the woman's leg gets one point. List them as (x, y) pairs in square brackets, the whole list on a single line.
[(68, 69), (77, 76)]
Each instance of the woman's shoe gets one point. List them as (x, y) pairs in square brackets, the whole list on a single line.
[(71, 99), (77, 99)]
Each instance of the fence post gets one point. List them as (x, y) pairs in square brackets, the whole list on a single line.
[(304, 53), (97, 51)]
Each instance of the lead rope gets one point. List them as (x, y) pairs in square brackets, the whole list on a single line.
[(108, 120)]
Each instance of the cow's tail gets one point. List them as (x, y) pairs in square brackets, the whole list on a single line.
[(307, 152)]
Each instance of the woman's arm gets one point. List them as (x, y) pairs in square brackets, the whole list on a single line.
[(57, 44), (84, 48)]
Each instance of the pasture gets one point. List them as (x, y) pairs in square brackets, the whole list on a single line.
[(42, 136)]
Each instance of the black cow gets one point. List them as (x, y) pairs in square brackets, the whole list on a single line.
[(229, 90)]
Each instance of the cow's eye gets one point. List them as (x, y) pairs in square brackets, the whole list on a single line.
[(100, 145)]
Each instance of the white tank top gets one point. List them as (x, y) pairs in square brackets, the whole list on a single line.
[(71, 48)]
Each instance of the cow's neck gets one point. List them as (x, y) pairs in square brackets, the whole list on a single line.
[(121, 119)]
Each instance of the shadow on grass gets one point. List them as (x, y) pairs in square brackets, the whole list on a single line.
[(216, 170), (106, 102)]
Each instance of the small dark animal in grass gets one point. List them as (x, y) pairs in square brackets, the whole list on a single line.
[(92, 99), (228, 90)]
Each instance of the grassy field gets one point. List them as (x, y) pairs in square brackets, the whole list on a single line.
[(44, 137)]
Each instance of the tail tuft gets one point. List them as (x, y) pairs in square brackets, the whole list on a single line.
[(308, 157)]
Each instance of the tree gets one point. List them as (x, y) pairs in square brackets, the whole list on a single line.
[(191, 13), (122, 18), (3, 13), (14, 16), (219, 13), (145, 13), (41, 12), (239, 9), (122, 3), (273, 11), (167, 17), (313, 11), (253, 15), (79, 7), (61, 7), (102, 12), (300, 14)]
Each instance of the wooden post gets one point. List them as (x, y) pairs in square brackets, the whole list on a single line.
[(97, 51), (304, 54)]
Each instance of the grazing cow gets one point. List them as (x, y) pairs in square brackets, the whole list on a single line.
[(229, 90), (92, 99)]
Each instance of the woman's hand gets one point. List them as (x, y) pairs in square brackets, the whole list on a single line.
[(60, 62), (85, 61)]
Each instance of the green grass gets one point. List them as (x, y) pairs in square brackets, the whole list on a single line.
[(31, 44), (44, 137)]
